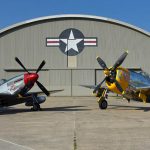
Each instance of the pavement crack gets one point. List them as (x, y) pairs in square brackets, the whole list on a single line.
[(74, 136), (75, 141)]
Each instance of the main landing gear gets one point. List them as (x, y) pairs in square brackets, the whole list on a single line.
[(102, 98), (36, 105), (103, 104)]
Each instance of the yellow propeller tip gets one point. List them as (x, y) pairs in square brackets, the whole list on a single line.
[(127, 51), (93, 93), (97, 57), (123, 93)]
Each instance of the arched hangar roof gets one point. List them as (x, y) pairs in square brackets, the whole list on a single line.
[(72, 16)]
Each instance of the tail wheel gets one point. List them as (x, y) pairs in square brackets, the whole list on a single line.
[(103, 104)]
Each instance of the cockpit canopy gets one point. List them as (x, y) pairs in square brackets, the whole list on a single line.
[(139, 79)]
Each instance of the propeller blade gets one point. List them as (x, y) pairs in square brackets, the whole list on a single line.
[(42, 88), (41, 66), (120, 60), (99, 85), (118, 86), (20, 63), (102, 63)]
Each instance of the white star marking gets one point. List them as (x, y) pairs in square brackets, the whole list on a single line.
[(71, 42)]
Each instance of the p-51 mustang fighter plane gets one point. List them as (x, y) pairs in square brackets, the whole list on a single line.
[(15, 90), (129, 84)]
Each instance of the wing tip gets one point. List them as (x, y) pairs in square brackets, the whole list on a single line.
[(127, 51), (97, 57), (94, 93)]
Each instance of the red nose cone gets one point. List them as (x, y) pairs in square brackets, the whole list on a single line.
[(30, 78), (33, 77)]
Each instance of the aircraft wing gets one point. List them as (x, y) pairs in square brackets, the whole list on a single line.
[(93, 86), (3, 96), (9, 100), (89, 86), (40, 92)]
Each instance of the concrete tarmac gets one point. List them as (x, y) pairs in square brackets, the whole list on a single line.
[(76, 123)]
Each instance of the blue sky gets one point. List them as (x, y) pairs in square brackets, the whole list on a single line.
[(135, 12)]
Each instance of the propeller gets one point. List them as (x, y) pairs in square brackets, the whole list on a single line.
[(118, 86), (111, 73), (42, 88), (39, 69), (102, 63), (120, 60), (99, 85), (41, 66), (20, 63)]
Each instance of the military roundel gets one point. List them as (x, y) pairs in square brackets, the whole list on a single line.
[(71, 41)]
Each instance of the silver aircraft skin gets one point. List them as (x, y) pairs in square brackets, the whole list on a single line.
[(139, 79), (139, 83), (12, 86), (16, 90)]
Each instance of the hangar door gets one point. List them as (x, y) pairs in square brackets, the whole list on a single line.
[(70, 80), (60, 79), (99, 76), (82, 77)]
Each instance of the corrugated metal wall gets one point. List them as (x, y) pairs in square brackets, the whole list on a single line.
[(29, 44)]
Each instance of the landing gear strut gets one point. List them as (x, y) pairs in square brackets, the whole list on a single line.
[(36, 105), (102, 98)]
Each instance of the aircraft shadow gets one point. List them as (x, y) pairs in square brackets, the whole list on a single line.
[(67, 108), (119, 107), (12, 110)]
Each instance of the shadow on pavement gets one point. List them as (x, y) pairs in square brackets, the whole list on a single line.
[(8, 110), (119, 107)]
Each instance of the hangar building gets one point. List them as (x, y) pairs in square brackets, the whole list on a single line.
[(70, 44)]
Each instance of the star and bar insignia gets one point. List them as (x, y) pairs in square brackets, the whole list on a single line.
[(71, 42)]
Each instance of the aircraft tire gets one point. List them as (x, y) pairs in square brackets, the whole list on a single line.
[(103, 104)]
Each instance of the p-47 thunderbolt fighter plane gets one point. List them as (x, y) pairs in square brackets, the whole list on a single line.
[(15, 90), (129, 84)]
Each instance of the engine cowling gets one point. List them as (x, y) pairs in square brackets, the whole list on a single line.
[(123, 77), (40, 99)]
